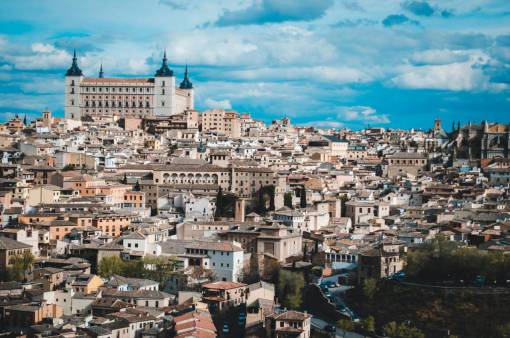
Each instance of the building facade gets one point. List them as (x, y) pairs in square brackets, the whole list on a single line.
[(481, 141), (138, 97)]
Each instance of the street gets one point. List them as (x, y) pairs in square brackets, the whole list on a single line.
[(320, 324)]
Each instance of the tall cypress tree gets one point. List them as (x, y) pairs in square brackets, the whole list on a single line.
[(303, 197)]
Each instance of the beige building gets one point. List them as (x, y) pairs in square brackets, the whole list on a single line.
[(87, 284), (9, 248), (363, 211), (288, 324), (401, 164), (243, 181), (222, 295), (43, 194), (382, 261), (221, 121), (277, 241), (74, 160)]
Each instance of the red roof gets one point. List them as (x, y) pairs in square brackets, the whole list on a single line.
[(221, 285)]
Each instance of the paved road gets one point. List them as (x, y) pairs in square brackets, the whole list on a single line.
[(320, 324), (336, 293)]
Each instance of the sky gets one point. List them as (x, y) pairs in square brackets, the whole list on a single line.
[(324, 63)]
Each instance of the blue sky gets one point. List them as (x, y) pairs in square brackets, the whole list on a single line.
[(333, 63)]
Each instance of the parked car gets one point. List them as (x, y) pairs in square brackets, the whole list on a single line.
[(331, 284), (330, 328)]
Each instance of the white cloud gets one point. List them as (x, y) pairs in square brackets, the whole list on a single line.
[(362, 114), (251, 46), (454, 76), (318, 73), (324, 124), (440, 56), (43, 48), (43, 57), (221, 104)]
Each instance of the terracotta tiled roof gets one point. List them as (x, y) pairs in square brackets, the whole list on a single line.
[(222, 285)]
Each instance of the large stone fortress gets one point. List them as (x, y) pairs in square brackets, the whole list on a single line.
[(136, 97)]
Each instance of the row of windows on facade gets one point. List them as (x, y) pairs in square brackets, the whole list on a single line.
[(115, 105), (120, 91), (407, 161), (107, 89), (205, 251)]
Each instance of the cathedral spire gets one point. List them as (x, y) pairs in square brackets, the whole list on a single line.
[(164, 70), (101, 73), (74, 70), (186, 83)]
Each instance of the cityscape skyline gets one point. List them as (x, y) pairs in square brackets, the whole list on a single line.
[(326, 63), (255, 169)]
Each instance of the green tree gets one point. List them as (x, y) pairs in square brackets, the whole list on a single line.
[(368, 324), (159, 269), (290, 285), (504, 330), (134, 268), (391, 329), (21, 265), (402, 330), (111, 265), (302, 200), (287, 199), (370, 288), (68, 167), (219, 203), (271, 272), (345, 324)]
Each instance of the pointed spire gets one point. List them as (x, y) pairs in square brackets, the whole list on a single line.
[(25, 120), (164, 70), (74, 70), (186, 83), (101, 73)]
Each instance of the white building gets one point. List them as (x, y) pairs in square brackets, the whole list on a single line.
[(224, 258), (194, 208), (100, 96), (137, 242)]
